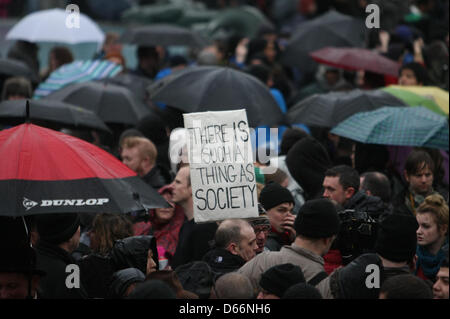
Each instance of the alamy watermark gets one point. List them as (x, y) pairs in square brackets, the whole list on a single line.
[(373, 19), (73, 16)]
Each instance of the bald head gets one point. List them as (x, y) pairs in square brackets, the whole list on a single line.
[(376, 184), (233, 286), (238, 237)]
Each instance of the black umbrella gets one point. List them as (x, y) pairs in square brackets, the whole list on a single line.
[(112, 103), (136, 84), (11, 67), (163, 35), (212, 88), (327, 110), (330, 29), (55, 113)]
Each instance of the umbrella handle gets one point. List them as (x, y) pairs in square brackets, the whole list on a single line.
[(27, 114)]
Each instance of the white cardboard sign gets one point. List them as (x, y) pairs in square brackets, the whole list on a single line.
[(221, 165)]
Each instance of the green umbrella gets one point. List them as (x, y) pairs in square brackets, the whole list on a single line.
[(401, 126), (159, 13), (242, 20), (413, 99)]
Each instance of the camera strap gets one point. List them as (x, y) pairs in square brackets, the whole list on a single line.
[(317, 278)]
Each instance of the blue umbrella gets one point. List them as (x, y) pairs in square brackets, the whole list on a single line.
[(77, 72), (401, 126)]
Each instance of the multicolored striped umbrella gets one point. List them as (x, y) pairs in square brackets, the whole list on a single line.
[(76, 72), (401, 126), (434, 93), (414, 99)]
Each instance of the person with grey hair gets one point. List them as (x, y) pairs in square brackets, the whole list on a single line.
[(235, 244), (232, 286)]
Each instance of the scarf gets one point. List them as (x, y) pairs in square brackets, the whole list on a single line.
[(429, 263)]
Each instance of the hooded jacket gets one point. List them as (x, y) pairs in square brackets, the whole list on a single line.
[(222, 261)]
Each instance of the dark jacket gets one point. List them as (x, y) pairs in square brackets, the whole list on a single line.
[(131, 252), (54, 260), (222, 261), (193, 242), (276, 240), (372, 205), (154, 178)]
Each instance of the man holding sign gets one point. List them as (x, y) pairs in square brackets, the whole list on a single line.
[(221, 166)]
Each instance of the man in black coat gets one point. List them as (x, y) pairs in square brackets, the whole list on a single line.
[(59, 235)]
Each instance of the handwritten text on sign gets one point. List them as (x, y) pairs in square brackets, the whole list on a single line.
[(221, 165)]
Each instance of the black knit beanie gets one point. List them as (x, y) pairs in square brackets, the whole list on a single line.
[(317, 218), (397, 238), (273, 194), (307, 162), (57, 228), (279, 278)]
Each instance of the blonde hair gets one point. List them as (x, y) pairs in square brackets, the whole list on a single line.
[(435, 204), (145, 146)]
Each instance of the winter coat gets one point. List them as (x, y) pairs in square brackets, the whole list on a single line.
[(372, 205), (349, 282), (222, 261), (154, 178), (193, 242), (53, 260), (310, 263)]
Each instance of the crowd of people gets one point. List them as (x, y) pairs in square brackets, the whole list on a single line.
[(332, 208)]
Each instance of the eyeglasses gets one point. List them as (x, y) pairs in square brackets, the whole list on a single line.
[(264, 229)]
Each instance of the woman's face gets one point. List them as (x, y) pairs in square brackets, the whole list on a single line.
[(428, 232), (151, 265), (164, 215)]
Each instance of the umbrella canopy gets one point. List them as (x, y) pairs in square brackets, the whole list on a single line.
[(330, 29), (45, 171), (162, 34), (243, 20), (76, 72), (56, 113), (136, 84), (50, 26), (11, 67), (355, 59), (438, 95), (413, 99), (112, 103), (212, 88), (327, 110), (402, 126)]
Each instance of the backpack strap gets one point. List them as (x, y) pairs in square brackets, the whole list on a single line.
[(317, 278)]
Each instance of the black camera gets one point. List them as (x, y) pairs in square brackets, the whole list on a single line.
[(357, 234)]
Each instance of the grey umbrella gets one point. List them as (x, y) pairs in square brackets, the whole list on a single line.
[(330, 29), (136, 84), (11, 67), (112, 103), (327, 110), (56, 113), (163, 35), (212, 88)]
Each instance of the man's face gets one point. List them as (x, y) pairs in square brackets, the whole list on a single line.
[(407, 77), (15, 286), (132, 158), (277, 215), (440, 288), (421, 182), (261, 232), (181, 190), (247, 247), (333, 190)]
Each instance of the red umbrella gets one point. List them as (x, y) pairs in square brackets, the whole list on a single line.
[(45, 171), (355, 59)]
